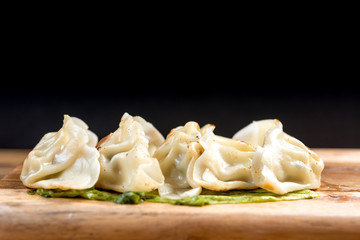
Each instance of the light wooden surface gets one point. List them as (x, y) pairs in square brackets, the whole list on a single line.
[(10, 158), (334, 215)]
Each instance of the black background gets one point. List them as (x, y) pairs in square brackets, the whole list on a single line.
[(317, 114), (302, 70)]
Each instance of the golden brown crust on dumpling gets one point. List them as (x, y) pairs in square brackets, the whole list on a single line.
[(104, 139)]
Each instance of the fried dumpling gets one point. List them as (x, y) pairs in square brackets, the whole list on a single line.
[(67, 159), (224, 164), (281, 163), (192, 158), (126, 157), (175, 154)]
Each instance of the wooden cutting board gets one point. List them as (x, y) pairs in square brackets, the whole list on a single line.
[(334, 215)]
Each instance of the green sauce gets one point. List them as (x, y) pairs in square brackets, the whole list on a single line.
[(207, 197)]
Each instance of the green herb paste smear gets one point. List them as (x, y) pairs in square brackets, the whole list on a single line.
[(207, 197)]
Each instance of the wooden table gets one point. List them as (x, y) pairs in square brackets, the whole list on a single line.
[(11, 158), (334, 215)]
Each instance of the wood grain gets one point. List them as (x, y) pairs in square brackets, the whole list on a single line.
[(10, 158), (335, 214)]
